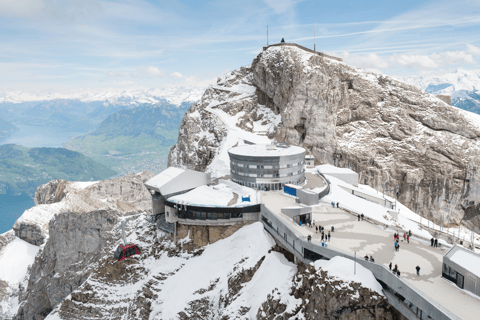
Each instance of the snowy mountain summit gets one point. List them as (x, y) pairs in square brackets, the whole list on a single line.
[(388, 131), (462, 85)]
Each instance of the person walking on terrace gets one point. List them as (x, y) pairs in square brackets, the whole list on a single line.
[(431, 242), (333, 229), (363, 216), (328, 236), (358, 217), (418, 270), (408, 239), (390, 266), (435, 243), (316, 229)]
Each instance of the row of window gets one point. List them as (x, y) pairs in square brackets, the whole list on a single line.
[(451, 274), (262, 175), (198, 215), (264, 186), (274, 166)]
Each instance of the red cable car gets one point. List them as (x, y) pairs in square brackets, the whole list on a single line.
[(123, 252), (127, 250)]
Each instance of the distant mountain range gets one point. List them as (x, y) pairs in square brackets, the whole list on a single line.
[(172, 95), (462, 85), (83, 112)]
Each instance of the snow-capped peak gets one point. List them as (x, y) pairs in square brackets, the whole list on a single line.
[(174, 95)]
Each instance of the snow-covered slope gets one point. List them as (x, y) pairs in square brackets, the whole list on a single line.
[(174, 95)]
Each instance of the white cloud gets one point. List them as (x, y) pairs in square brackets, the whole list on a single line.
[(413, 61), (281, 6), (176, 75), (143, 72), (455, 57), (369, 61), (124, 83), (202, 83), (114, 74), (20, 7), (471, 49)]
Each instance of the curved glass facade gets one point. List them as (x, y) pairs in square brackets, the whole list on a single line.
[(267, 172)]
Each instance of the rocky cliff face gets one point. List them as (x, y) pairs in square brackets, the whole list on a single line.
[(126, 195), (389, 132), (325, 297)]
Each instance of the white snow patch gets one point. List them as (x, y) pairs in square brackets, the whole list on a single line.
[(343, 269), (80, 185), (15, 259)]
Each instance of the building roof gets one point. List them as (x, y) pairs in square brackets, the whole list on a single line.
[(266, 150), (174, 180), (225, 194), (465, 258), (329, 169)]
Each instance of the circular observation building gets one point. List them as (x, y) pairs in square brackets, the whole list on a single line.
[(267, 167)]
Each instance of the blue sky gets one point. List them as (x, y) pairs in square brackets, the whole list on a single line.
[(72, 45)]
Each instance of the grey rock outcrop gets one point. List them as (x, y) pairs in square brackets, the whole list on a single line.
[(76, 241), (30, 232), (390, 132), (51, 192)]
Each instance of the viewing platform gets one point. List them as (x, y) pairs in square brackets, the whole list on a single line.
[(352, 237)]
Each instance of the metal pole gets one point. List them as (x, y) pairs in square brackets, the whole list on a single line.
[(123, 233), (267, 35), (314, 36), (355, 264)]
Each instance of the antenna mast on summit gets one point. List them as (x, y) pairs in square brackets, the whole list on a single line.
[(267, 35), (314, 35)]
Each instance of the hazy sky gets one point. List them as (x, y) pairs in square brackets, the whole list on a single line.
[(64, 45)]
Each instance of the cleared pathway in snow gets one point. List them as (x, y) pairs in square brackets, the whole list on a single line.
[(367, 238)]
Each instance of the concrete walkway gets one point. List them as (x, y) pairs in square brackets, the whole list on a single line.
[(366, 238)]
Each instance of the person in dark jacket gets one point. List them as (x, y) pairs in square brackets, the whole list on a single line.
[(329, 236), (323, 236), (338, 205), (390, 266), (398, 273), (358, 217), (371, 259), (431, 242), (363, 216), (366, 257), (316, 229), (333, 229), (435, 243), (418, 270)]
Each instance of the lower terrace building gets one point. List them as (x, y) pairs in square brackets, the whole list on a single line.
[(267, 167), (224, 204)]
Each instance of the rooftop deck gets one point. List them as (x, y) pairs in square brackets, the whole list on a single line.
[(366, 238)]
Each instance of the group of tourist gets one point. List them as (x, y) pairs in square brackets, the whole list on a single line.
[(335, 204), (371, 258), (360, 217), (395, 270), (434, 242), (396, 238)]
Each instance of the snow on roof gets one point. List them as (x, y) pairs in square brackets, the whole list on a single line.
[(342, 268), (16, 257), (217, 195), (164, 177), (264, 150), (328, 168), (466, 259)]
